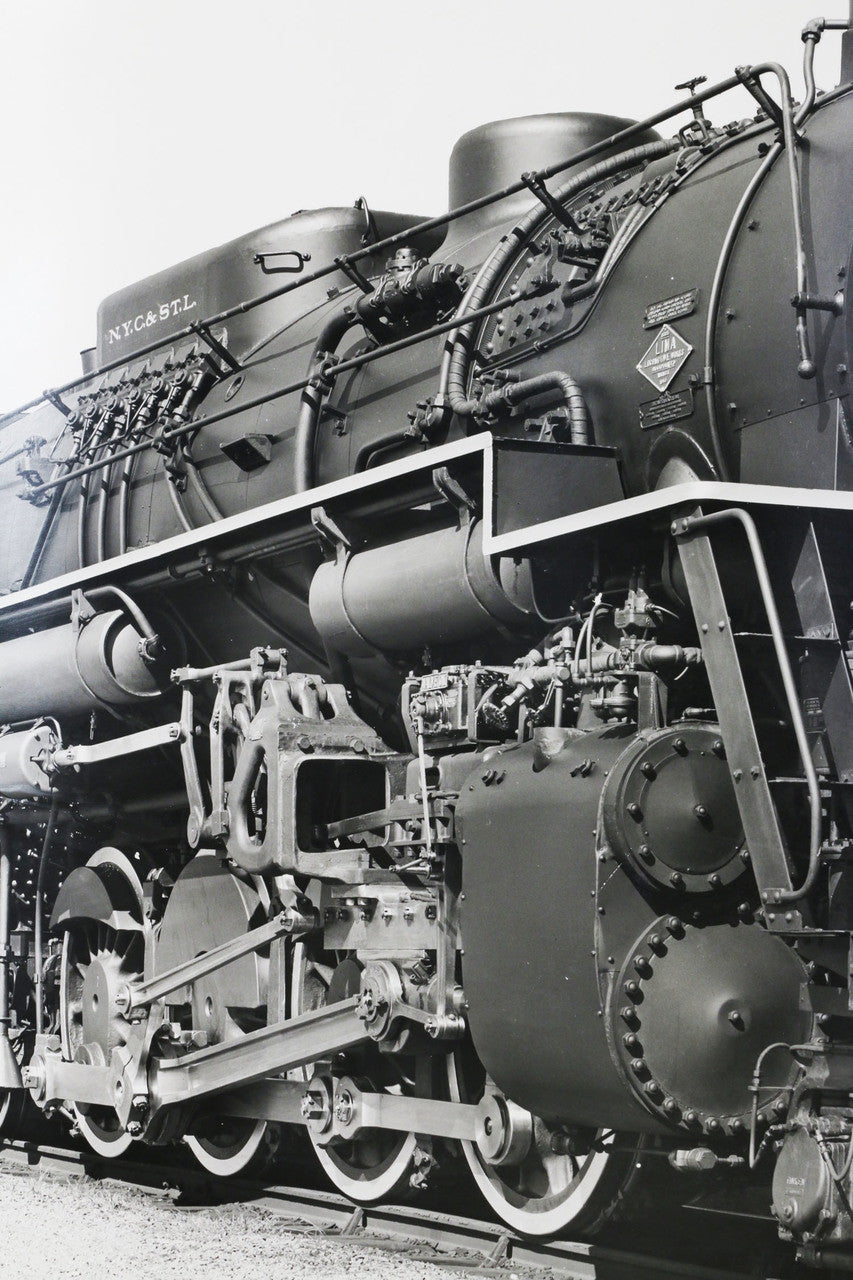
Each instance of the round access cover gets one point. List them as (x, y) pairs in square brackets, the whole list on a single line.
[(702, 1003), (670, 809)]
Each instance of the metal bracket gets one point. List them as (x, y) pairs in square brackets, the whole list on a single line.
[(329, 529), (535, 185)]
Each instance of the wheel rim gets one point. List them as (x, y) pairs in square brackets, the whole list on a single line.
[(376, 1165), (546, 1194), (230, 1148), (95, 961)]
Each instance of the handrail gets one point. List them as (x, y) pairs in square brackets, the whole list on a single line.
[(695, 524), (397, 239)]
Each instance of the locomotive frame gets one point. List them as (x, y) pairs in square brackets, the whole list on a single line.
[(571, 671)]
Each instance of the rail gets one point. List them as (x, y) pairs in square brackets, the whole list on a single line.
[(423, 1234)]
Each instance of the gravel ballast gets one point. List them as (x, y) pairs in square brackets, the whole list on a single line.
[(73, 1229)]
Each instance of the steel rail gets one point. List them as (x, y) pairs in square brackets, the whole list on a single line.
[(472, 1245)]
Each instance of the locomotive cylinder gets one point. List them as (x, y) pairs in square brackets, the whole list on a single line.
[(25, 761), (79, 668), (434, 588)]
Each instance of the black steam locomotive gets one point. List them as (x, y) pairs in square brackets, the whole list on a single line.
[(425, 680)]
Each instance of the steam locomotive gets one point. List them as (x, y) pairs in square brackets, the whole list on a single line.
[(425, 684)]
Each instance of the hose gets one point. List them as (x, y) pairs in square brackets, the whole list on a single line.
[(452, 392), (570, 392), (328, 340)]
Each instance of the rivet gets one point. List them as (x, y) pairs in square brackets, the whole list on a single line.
[(631, 1042), (680, 746), (670, 1106), (714, 881), (635, 811), (645, 853), (700, 811), (676, 880), (642, 966), (675, 927), (648, 769)]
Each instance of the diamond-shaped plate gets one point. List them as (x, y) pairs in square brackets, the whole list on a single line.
[(664, 357)]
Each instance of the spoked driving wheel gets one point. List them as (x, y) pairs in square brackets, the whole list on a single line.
[(557, 1181), (377, 1164), (97, 962)]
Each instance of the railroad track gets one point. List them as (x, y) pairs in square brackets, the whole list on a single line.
[(472, 1246)]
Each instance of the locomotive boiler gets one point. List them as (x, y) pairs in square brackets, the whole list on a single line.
[(425, 684)]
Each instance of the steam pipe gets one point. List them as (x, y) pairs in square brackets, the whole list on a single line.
[(572, 396)]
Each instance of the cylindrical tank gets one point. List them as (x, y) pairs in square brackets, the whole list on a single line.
[(434, 588), (25, 761), (75, 669)]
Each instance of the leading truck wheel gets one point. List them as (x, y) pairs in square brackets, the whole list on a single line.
[(565, 1182), (378, 1164)]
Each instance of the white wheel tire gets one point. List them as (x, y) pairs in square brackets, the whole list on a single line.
[(529, 1222), (227, 1166)]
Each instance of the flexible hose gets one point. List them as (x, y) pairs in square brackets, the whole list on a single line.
[(328, 340), (457, 366), (570, 392)]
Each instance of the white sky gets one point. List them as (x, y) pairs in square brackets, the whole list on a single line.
[(136, 134)]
